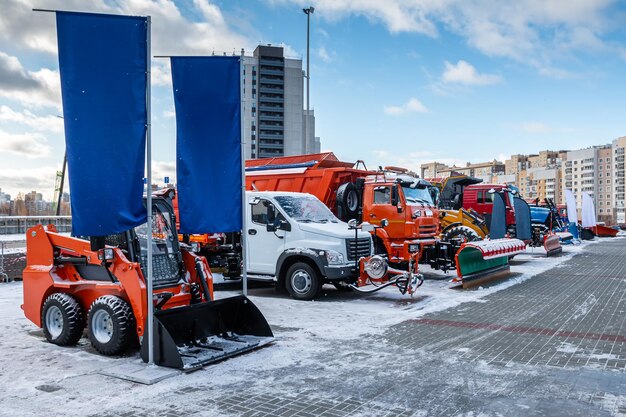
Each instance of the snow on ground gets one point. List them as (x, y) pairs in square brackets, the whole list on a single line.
[(372, 314), (37, 378)]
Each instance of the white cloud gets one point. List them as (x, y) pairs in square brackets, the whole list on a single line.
[(47, 123), (161, 73), (531, 32), (28, 145), (464, 73), (162, 169), (324, 55), (409, 160), (27, 179), (172, 33), (411, 106), (40, 88), (169, 114)]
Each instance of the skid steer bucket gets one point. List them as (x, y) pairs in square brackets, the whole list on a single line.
[(552, 245), (486, 260), (190, 337)]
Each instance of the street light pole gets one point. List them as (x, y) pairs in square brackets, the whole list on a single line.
[(308, 11)]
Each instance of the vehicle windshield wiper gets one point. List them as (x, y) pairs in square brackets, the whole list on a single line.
[(304, 220)]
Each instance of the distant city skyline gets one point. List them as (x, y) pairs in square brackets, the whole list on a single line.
[(392, 83)]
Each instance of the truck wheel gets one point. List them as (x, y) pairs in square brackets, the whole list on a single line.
[(63, 319), (347, 201), (303, 282), (111, 325), (462, 233)]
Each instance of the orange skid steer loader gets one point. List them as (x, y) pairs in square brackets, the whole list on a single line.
[(71, 283)]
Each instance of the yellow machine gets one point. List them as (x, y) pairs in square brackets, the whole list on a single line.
[(466, 225), (455, 222)]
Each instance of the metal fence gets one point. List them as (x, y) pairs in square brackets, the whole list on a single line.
[(12, 263), (10, 225)]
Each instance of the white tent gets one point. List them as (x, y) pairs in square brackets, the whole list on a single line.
[(589, 211), (572, 211)]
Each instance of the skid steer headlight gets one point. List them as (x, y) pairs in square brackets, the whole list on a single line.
[(375, 267), (334, 257), (106, 254)]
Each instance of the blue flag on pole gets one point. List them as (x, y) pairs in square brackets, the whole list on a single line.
[(103, 62), (208, 143)]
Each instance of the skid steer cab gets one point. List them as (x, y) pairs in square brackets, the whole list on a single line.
[(73, 283)]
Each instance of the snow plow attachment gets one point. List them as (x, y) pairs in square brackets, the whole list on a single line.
[(552, 244), (485, 260), (190, 337)]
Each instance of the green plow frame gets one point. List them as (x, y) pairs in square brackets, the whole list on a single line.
[(482, 261)]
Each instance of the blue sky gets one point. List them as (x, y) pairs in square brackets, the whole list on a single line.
[(392, 82)]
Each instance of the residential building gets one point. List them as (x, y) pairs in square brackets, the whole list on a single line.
[(274, 119), (432, 169), (516, 164), (617, 180)]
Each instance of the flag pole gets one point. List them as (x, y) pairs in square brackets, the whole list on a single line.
[(244, 239), (149, 198)]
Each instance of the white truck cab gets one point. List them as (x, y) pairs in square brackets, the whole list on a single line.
[(294, 240)]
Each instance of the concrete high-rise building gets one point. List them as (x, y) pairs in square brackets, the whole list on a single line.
[(580, 174), (273, 119), (617, 180)]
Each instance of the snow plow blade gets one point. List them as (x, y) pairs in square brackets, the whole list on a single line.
[(190, 337), (552, 245), (485, 260)]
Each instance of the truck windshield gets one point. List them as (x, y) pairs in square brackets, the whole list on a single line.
[(306, 209), (415, 196)]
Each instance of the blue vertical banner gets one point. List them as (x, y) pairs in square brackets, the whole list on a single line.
[(103, 64), (207, 99)]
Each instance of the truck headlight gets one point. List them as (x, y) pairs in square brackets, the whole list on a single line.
[(375, 267), (334, 257), (414, 247)]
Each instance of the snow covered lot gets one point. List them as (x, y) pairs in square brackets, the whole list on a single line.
[(37, 378)]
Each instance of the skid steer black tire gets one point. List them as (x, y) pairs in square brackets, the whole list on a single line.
[(347, 202), (303, 282), (111, 325), (64, 310), (460, 232)]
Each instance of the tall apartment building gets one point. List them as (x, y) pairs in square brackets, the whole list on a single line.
[(540, 183), (273, 119), (618, 177)]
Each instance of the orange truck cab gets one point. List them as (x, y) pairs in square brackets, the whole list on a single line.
[(353, 192)]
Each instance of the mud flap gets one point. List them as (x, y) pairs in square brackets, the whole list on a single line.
[(552, 245), (487, 260), (190, 337)]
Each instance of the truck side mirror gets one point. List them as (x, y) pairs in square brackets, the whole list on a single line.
[(284, 225), (271, 213), (394, 195)]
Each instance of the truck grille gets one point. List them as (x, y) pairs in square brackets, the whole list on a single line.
[(431, 229), (358, 248)]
